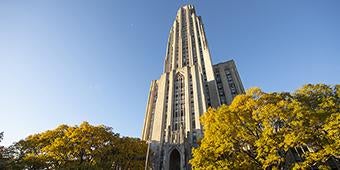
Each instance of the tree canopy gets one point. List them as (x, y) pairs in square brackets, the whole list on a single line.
[(259, 130), (77, 147)]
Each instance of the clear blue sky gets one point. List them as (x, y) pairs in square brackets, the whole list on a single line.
[(86, 60)]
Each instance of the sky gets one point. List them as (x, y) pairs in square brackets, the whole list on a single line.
[(65, 62)]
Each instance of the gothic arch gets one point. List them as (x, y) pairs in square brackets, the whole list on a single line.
[(179, 75), (175, 159)]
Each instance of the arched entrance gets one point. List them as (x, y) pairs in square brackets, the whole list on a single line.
[(175, 160)]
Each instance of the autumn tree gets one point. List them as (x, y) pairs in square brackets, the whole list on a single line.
[(258, 130), (131, 153), (78, 147)]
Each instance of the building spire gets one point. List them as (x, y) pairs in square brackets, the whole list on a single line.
[(186, 41)]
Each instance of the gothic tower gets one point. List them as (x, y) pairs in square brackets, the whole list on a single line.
[(189, 85)]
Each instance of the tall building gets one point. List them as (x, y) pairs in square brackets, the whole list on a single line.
[(189, 85)]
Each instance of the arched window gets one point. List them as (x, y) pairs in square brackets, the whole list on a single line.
[(175, 160), (179, 103)]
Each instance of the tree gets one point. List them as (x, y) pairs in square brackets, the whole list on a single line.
[(132, 153), (77, 147), (258, 130), (2, 150)]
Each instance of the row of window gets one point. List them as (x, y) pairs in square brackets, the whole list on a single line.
[(220, 87), (193, 125), (179, 109), (193, 41), (231, 82), (184, 39)]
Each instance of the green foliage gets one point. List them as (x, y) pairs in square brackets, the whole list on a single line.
[(2, 150), (257, 130), (77, 147)]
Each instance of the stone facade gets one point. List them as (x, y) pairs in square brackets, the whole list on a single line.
[(189, 85)]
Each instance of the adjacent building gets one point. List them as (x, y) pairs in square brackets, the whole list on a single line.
[(189, 85)]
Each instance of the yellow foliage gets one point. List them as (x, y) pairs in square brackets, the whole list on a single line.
[(79, 147), (258, 129)]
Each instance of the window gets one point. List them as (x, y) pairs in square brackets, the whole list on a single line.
[(179, 101)]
